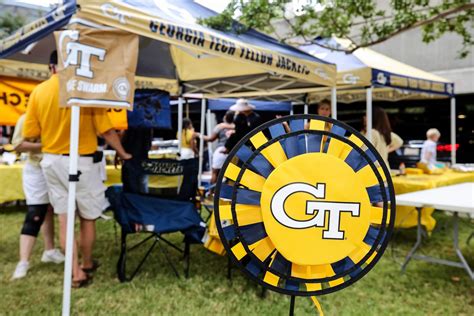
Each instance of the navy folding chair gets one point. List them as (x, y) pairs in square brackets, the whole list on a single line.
[(158, 197)]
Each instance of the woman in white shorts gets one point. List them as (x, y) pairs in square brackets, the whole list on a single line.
[(221, 132), (39, 212)]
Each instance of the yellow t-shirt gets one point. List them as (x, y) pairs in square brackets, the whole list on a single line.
[(186, 138), (45, 119)]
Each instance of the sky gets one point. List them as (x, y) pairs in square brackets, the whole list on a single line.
[(216, 5)]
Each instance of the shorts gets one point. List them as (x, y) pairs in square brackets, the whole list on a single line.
[(34, 185), (186, 153), (90, 190), (218, 158)]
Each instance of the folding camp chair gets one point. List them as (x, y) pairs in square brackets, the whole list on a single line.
[(158, 197)]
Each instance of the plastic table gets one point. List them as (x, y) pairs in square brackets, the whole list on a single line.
[(457, 199)]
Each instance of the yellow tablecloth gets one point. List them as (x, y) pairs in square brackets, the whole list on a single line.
[(407, 216), (11, 188)]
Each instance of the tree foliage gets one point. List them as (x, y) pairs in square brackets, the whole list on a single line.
[(9, 23), (364, 22)]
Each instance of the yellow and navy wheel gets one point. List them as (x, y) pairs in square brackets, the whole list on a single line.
[(304, 205)]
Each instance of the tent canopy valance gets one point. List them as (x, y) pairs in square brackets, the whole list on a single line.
[(175, 51), (392, 80)]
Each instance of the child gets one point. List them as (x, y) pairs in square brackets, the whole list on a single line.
[(428, 151)]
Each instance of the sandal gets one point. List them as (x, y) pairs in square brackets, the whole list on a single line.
[(82, 283), (95, 266)]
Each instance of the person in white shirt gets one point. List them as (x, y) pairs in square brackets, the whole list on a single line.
[(428, 151)]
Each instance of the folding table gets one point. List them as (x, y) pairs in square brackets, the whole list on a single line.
[(457, 199)]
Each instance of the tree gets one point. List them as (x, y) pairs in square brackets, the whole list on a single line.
[(9, 23), (364, 22)]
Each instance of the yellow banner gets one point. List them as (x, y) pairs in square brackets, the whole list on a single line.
[(125, 17), (14, 94)]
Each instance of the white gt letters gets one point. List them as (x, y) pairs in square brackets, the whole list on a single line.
[(321, 208)]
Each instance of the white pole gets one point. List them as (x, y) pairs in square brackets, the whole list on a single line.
[(71, 208), (334, 103), (180, 122), (369, 113), (201, 139), (453, 130), (291, 111), (209, 132)]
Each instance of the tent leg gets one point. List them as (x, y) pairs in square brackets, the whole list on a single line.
[(180, 122), (201, 140), (453, 130), (334, 103), (71, 208), (209, 132), (369, 113)]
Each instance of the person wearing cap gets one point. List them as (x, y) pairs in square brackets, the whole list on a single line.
[(45, 119), (39, 215), (243, 107)]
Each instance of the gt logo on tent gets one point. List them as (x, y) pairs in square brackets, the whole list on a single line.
[(321, 208)]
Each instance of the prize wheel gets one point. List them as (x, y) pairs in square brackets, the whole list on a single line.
[(304, 205)]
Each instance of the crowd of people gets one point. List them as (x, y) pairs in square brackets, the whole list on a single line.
[(46, 175)]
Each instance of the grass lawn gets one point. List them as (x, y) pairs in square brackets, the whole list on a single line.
[(424, 289)]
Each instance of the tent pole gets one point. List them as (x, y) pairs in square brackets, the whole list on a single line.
[(334, 103), (180, 122), (201, 139), (369, 114), (209, 132), (453, 130), (71, 208), (291, 111), (305, 112)]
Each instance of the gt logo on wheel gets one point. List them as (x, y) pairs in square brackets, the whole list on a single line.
[(321, 208)]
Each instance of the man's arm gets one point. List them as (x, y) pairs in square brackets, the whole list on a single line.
[(113, 140), (26, 146)]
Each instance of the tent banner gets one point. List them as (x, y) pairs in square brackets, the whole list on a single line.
[(152, 19), (151, 110), (14, 93), (96, 67), (387, 79)]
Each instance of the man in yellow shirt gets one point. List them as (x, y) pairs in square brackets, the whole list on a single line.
[(45, 119)]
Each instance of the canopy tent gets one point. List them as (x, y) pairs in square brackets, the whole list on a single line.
[(368, 75), (200, 59)]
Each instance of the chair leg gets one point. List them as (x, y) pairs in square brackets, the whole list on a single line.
[(167, 258), (121, 263), (229, 269), (187, 256)]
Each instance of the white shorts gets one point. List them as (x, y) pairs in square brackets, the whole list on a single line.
[(218, 158), (34, 185), (186, 153), (90, 191)]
